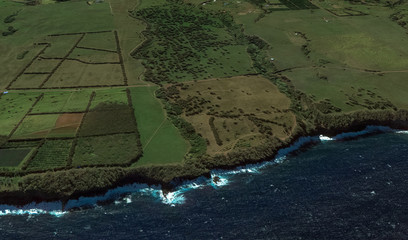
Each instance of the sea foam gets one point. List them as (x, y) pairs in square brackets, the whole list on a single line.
[(219, 178)]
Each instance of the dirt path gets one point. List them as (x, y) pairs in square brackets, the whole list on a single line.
[(154, 133)]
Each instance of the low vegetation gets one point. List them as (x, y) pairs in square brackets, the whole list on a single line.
[(165, 90)]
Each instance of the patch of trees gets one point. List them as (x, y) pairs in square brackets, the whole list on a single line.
[(326, 106), (10, 18), (10, 31), (401, 18), (197, 142), (180, 35)]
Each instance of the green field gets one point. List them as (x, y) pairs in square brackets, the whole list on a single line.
[(156, 132), (66, 101), (13, 157), (52, 154), (32, 27), (13, 107), (109, 96), (36, 126), (106, 150), (184, 86)]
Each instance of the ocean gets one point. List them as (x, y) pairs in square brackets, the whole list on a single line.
[(338, 188)]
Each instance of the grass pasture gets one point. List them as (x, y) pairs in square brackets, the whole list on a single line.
[(94, 56), (42, 66), (63, 101), (13, 107), (72, 73), (108, 97), (36, 126), (106, 150), (29, 81), (104, 41), (156, 132), (59, 45)]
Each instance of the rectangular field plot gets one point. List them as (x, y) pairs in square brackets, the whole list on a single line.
[(104, 41), (52, 154), (109, 121), (35, 126), (75, 101), (60, 46), (298, 4), (67, 125), (75, 74), (156, 132), (94, 56), (29, 81), (42, 65), (106, 150), (109, 96), (13, 157), (13, 107), (21, 144)]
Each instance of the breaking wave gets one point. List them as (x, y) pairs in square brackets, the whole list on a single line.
[(219, 178)]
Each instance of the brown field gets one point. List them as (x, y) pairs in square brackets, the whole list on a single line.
[(67, 124), (74, 73), (246, 110)]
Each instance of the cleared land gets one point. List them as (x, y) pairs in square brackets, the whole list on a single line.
[(231, 110)]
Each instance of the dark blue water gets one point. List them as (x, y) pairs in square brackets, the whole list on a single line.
[(353, 189)]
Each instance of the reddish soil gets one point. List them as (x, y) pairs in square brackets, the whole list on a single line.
[(67, 124)]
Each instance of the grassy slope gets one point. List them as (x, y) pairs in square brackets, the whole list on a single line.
[(13, 107), (63, 101), (161, 141), (351, 44), (129, 31), (33, 25)]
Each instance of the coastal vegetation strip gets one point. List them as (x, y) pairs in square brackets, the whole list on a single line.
[(228, 83)]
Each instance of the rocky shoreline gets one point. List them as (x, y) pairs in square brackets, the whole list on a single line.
[(72, 184)]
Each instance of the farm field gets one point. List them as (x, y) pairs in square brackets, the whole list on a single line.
[(155, 129), (187, 86), (13, 108), (13, 157), (106, 150), (52, 154), (63, 101)]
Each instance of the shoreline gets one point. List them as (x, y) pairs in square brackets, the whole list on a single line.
[(19, 200)]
